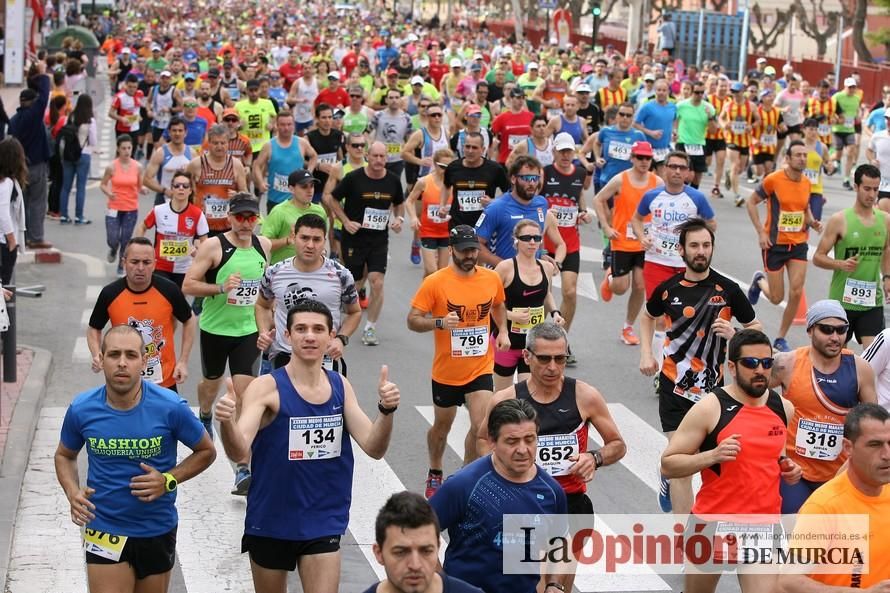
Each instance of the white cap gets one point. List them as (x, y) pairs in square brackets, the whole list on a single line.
[(787, 68), (417, 80), (508, 51), (456, 63), (850, 81), (761, 60), (126, 50), (423, 64), (155, 47), (531, 66), (583, 88), (563, 141), (478, 56), (334, 75), (165, 73), (412, 37)]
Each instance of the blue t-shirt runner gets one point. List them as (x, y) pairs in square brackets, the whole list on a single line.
[(616, 144), (499, 218)]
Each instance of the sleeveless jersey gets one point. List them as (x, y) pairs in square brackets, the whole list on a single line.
[(821, 402), (520, 295), (282, 162), (755, 469), (717, 102), (544, 155), (766, 132), (232, 87), (860, 290), (161, 105), (431, 145), (555, 91), (125, 187), (232, 313), (171, 163), (625, 204), (814, 168), (212, 192), (355, 123), (302, 467), (826, 108), (740, 116), (560, 434), (431, 225), (609, 97), (572, 128), (563, 191)]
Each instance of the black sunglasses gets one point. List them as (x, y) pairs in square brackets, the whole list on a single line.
[(529, 238), (828, 329), (357, 145), (642, 157), (548, 358), (434, 115), (752, 362)]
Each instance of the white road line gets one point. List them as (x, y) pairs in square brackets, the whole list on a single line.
[(95, 266), (85, 318), (46, 555), (81, 352), (92, 292), (586, 286), (584, 581)]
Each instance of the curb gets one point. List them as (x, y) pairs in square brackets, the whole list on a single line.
[(18, 447)]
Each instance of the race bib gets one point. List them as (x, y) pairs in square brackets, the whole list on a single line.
[(746, 534), (393, 149), (860, 292), (432, 214), (849, 122), (514, 139), (328, 158), (245, 294), (162, 121), (739, 127), (133, 120), (173, 249), (279, 183), (660, 153), (111, 213), (554, 451), (694, 149), (769, 140), (103, 544), (314, 437), (566, 216), (153, 371), (819, 440), (790, 222), (665, 243), (885, 185), (536, 316), (216, 208), (469, 341), (619, 150), (375, 219), (327, 363), (824, 130), (812, 174), (470, 200), (551, 113)]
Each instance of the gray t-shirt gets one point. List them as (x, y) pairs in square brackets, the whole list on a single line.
[(332, 284), (668, 31), (392, 130)]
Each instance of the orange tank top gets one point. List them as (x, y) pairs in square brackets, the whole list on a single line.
[(826, 108), (740, 116), (609, 97), (212, 192), (767, 131), (816, 430), (431, 226), (124, 187), (626, 202)]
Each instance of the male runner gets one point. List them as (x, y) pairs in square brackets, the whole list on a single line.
[(218, 176), (472, 182), (278, 226), (278, 158), (162, 164)]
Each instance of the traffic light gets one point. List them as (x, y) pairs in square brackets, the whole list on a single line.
[(596, 9)]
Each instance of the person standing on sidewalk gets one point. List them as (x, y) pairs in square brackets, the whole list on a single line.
[(26, 125), (13, 175), (84, 123)]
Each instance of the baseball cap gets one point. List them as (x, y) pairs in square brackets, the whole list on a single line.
[(187, 75), (126, 50), (761, 60), (412, 37), (155, 47), (300, 177), (585, 68), (253, 83), (532, 66), (392, 72), (824, 309), (463, 237), (244, 202), (478, 56), (456, 63), (737, 87), (27, 95), (476, 68), (765, 92), (417, 80), (230, 112), (472, 109), (769, 71), (213, 73), (334, 75), (583, 88), (517, 92), (339, 113), (633, 69), (641, 148), (649, 76), (564, 141), (850, 81), (508, 51), (167, 73)]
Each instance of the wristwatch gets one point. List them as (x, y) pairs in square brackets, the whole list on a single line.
[(342, 338), (170, 482), (597, 458)]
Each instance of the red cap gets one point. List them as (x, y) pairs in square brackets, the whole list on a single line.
[(392, 72), (633, 69), (641, 148)]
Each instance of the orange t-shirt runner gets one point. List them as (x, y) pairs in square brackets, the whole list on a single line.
[(467, 351), (786, 206), (626, 202), (153, 313), (431, 225)]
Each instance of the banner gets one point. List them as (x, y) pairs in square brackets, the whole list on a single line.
[(14, 44)]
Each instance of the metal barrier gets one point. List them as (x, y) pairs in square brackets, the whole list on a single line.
[(704, 35), (9, 342)]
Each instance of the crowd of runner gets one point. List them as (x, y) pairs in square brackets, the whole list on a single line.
[(282, 149)]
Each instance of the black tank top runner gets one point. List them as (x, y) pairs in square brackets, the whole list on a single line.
[(520, 295)]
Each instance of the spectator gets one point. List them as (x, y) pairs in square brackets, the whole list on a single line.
[(13, 175)]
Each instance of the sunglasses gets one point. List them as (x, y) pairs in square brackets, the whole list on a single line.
[(246, 217), (423, 106), (355, 96), (231, 120), (548, 358), (181, 185), (698, 92), (529, 178), (358, 145), (752, 362), (434, 114), (189, 104), (827, 329), (443, 165), (529, 238), (642, 157), (625, 114), (676, 167)]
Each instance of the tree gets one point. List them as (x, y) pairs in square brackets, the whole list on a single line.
[(809, 20), (763, 37), (860, 12)]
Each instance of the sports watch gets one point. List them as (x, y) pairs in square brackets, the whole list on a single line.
[(169, 482)]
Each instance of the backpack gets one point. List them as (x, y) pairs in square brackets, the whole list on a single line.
[(69, 147)]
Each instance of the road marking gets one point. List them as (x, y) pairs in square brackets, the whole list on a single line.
[(92, 292), (85, 318), (95, 266), (81, 352)]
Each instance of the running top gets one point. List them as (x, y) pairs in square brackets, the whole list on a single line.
[(563, 192), (282, 162), (616, 145), (520, 295), (668, 212), (232, 313), (878, 356), (125, 184), (500, 217), (431, 225), (625, 204), (175, 235), (787, 202), (860, 290), (212, 192)]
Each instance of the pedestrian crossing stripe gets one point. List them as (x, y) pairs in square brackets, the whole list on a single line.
[(211, 520)]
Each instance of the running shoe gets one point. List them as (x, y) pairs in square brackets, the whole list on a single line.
[(65, 220), (207, 421), (242, 482), (607, 257), (369, 337), (727, 180), (81, 220), (363, 298), (629, 337), (433, 482), (752, 180), (664, 494), (754, 290), (415, 252), (571, 360), (847, 185), (739, 200), (605, 291), (112, 255), (781, 344), (716, 193)]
